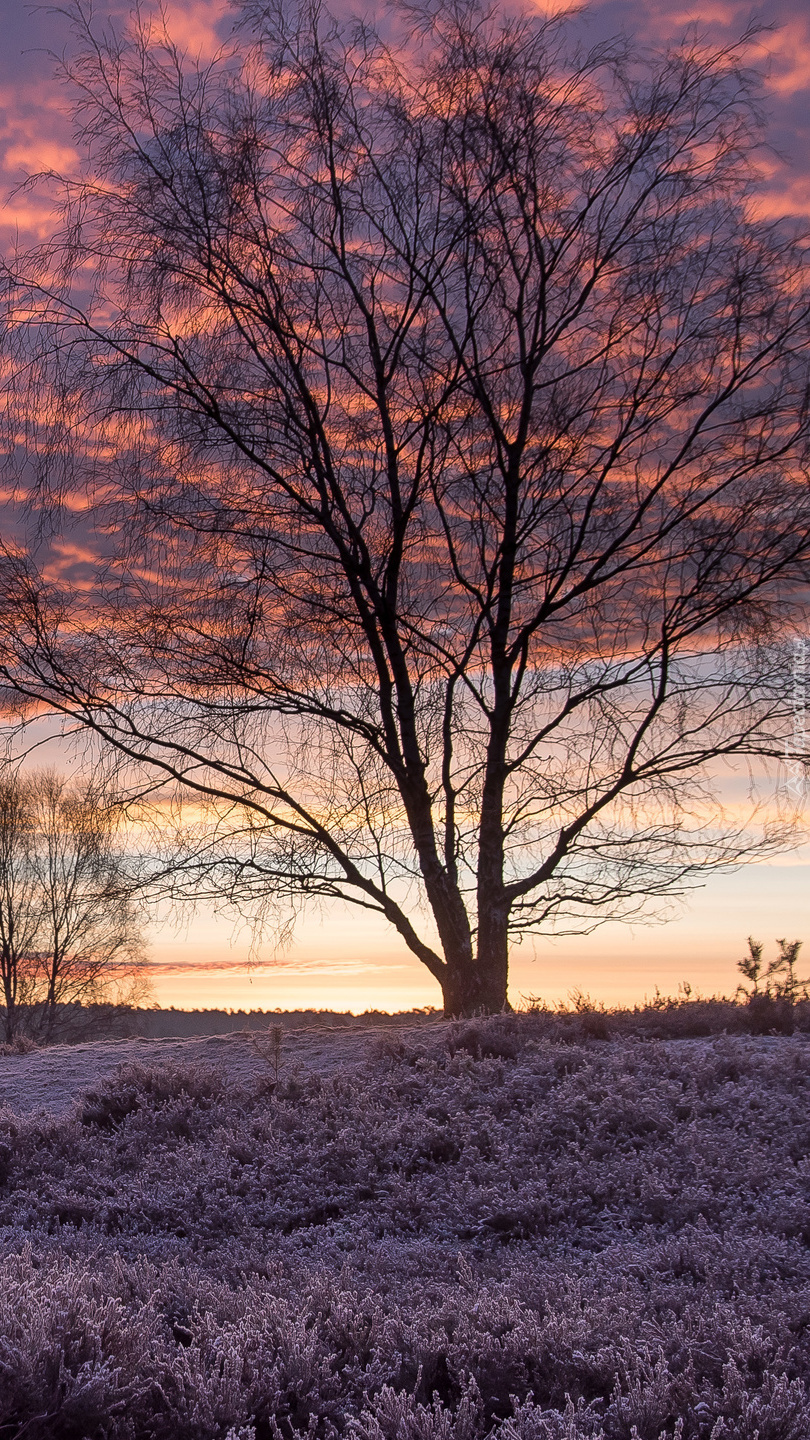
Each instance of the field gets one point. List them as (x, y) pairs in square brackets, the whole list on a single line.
[(435, 1232)]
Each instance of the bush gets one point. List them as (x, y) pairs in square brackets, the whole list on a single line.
[(134, 1087), (20, 1045)]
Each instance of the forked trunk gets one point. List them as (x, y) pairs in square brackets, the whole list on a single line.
[(474, 992), (479, 986)]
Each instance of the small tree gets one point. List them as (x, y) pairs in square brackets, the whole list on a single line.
[(781, 980), (89, 930), (444, 407), (782, 975), (69, 926), (751, 964), (20, 901)]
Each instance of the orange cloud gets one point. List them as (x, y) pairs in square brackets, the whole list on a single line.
[(554, 7), (258, 968)]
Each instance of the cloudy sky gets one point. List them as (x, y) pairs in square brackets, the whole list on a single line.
[(341, 959)]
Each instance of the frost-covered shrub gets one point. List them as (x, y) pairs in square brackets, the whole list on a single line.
[(20, 1045), (135, 1087), (481, 1235)]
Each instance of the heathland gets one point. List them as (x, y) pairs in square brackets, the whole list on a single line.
[(507, 1228)]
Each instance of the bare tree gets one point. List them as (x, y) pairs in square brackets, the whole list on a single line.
[(69, 924), (19, 901), (444, 407), (89, 923)]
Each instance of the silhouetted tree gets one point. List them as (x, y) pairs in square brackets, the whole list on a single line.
[(751, 966), (444, 407), (19, 902), (89, 938), (69, 925)]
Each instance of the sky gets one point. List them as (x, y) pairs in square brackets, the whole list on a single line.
[(344, 959)]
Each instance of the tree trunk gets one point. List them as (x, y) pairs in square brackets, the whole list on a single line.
[(11, 1021), (50, 1003), (8, 974), (479, 986), (474, 991), (50, 1021)]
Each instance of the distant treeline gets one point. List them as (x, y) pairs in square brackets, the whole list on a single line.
[(157, 1024), (581, 1020), (78, 1024)]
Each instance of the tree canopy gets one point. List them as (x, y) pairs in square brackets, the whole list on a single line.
[(442, 408)]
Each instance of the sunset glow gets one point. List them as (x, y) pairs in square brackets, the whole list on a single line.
[(340, 959)]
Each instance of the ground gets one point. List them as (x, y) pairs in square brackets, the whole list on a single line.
[(52, 1079), (441, 1232)]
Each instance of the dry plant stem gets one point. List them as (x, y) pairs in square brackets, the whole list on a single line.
[(444, 410)]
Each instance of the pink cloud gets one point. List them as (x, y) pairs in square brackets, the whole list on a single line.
[(704, 14), (790, 52), (792, 198), (193, 25), (39, 154)]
